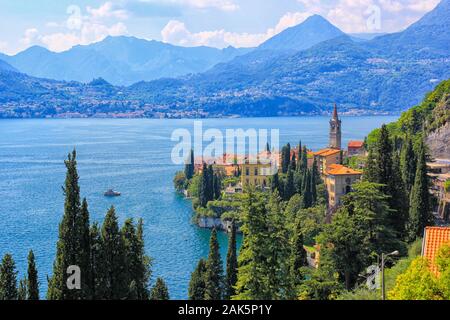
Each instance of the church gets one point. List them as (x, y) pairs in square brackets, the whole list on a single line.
[(337, 177)]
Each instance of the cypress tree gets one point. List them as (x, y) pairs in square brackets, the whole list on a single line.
[(275, 182), (232, 265), (210, 190), (289, 189), (285, 158), (293, 163), (197, 282), (306, 194), (69, 249), (85, 248), (267, 147), (204, 181), (298, 255), (217, 187), (97, 264), (189, 166), (137, 263), (8, 278), (143, 273), (115, 286), (399, 199), (408, 165), (304, 164), (313, 189), (214, 271), (371, 170), (420, 214), (160, 291), (22, 290), (32, 281)]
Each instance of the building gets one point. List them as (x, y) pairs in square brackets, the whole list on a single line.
[(325, 158), (258, 173), (335, 130), (434, 238), (339, 180), (355, 148)]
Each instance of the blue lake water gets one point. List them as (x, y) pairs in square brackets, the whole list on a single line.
[(134, 157)]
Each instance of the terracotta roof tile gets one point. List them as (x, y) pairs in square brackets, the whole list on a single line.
[(327, 152), (338, 169), (356, 144), (435, 238)]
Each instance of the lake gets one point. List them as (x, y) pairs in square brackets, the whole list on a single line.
[(133, 157)]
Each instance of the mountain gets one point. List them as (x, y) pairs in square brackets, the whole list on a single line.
[(384, 75), (428, 36), (6, 66), (120, 60), (312, 31)]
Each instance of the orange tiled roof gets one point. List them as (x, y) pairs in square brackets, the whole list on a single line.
[(327, 152), (338, 170), (434, 239), (356, 144)]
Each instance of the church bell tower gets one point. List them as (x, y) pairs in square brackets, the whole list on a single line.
[(335, 130)]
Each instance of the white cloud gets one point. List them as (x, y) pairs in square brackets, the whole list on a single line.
[(224, 5), (3, 46), (80, 29), (107, 10), (176, 32), (30, 36), (353, 15), (89, 33)]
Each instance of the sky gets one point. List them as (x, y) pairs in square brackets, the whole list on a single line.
[(60, 25)]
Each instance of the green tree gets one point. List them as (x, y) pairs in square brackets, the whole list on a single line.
[(197, 282), (115, 285), (159, 291), (189, 166), (285, 158), (85, 250), (137, 268), (408, 165), (231, 277), (22, 290), (97, 264), (205, 190), (275, 182), (293, 163), (70, 248), (263, 271), (32, 280), (8, 278), (298, 256), (289, 189), (214, 271), (420, 214), (252, 281), (307, 197), (417, 283)]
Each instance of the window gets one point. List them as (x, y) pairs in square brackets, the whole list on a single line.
[(256, 171), (247, 171)]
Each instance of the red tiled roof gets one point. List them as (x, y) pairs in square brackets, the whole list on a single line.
[(327, 152), (340, 170), (434, 239), (356, 144)]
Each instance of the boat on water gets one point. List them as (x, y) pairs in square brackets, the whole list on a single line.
[(112, 193)]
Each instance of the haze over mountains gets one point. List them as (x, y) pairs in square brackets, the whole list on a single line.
[(303, 70), (120, 60)]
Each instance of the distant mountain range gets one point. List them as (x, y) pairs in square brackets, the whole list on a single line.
[(120, 60), (303, 70)]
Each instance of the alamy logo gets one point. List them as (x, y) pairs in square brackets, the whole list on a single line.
[(213, 143), (74, 278)]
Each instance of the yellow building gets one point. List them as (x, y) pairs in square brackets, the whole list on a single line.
[(325, 158), (257, 174), (339, 180)]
